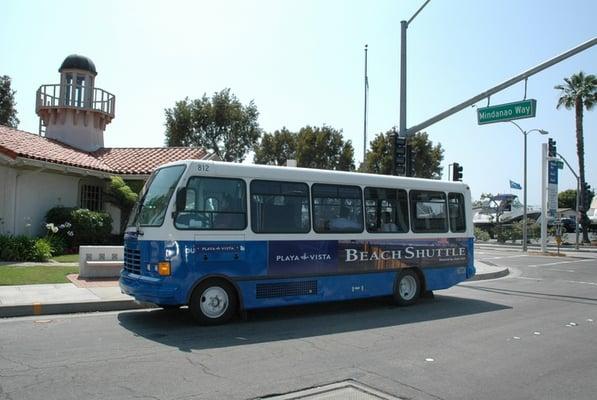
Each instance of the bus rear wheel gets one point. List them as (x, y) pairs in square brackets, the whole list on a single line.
[(407, 288), (213, 302)]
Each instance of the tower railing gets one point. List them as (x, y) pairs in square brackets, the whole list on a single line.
[(50, 96)]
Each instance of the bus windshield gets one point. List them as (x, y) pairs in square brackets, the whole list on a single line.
[(151, 209)]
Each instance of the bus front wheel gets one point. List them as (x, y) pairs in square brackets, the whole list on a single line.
[(407, 288), (213, 302)]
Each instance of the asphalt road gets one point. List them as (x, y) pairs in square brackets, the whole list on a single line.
[(531, 335)]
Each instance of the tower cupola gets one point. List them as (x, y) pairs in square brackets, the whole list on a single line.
[(74, 111)]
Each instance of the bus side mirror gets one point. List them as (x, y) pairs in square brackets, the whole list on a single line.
[(181, 199)]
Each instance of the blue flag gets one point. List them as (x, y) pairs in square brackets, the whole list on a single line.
[(514, 185)]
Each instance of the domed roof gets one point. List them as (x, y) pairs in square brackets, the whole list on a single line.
[(75, 61)]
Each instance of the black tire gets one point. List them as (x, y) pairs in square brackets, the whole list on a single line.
[(213, 302), (407, 288)]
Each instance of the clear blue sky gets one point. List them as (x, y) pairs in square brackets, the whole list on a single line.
[(302, 63)]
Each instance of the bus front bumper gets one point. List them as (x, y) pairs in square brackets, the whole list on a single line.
[(148, 289)]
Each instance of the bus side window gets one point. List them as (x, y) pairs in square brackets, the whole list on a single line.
[(279, 207), (428, 211), (337, 208), (386, 210), (456, 212), (214, 204)]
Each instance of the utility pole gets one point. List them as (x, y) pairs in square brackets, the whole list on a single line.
[(578, 189), (544, 198), (365, 116), (403, 26)]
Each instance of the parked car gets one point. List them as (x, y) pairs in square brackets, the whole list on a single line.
[(569, 224)]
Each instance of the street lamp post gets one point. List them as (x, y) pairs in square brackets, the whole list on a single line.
[(524, 215)]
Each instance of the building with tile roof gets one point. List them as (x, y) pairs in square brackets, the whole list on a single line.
[(66, 163)]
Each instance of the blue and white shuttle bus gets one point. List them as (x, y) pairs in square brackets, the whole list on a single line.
[(223, 237)]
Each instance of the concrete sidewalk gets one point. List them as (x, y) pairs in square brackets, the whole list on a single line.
[(104, 295), (535, 249)]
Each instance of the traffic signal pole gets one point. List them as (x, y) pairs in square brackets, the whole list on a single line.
[(578, 189), (544, 197), (520, 77)]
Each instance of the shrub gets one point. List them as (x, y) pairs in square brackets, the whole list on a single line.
[(78, 226), (481, 235), (515, 231), (23, 248), (57, 243), (502, 233), (42, 250)]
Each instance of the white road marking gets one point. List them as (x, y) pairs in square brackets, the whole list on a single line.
[(501, 257), (557, 263), (584, 283)]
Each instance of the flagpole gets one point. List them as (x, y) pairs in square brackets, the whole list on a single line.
[(365, 112)]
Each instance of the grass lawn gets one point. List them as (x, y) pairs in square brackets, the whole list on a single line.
[(16, 275), (66, 258)]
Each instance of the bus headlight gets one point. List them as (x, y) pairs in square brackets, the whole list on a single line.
[(164, 268)]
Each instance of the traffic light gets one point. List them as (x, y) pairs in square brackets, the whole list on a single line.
[(457, 172), (552, 150), (410, 160), (400, 152)]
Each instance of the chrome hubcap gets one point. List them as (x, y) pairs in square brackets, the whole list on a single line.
[(408, 287), (214, 302)]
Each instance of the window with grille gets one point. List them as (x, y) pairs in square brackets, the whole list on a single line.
[(91, 197)]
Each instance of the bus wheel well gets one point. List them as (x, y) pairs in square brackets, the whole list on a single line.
[(409, 286), (421, 279), (217, 279)]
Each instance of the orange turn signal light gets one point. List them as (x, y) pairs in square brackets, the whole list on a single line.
[(164, 268)]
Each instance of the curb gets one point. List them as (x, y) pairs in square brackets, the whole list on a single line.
[(550, 247), (490, 275), (24, 310), (35, 309)]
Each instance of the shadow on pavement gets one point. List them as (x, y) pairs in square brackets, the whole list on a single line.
[(177, 328), (535, 295)]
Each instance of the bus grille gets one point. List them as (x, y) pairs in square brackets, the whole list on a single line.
[(284, 289), (132, 260)]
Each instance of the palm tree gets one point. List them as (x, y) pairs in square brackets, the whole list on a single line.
[(579, 92)]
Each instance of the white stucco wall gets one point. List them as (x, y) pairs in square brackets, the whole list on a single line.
[(37, 192), (38, 189), (115, 214), (7, 198), (87, 137)]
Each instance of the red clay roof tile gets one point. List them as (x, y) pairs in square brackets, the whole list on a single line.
[(16, 143)]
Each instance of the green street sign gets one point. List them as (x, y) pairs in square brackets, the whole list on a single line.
[(560, 164), (507, 112)]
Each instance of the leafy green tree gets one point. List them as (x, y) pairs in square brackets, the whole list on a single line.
[(567, 199), (276, 148), (221, 124), (8, 112), (123, 197), (312, 147), (323, 148), (379, 159), (482, 200), (428, 157), (579, 92)]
